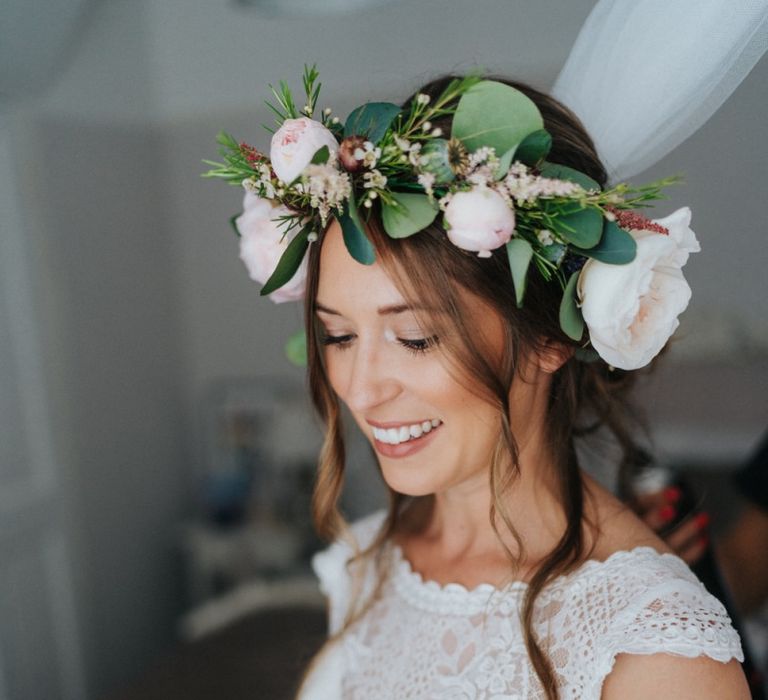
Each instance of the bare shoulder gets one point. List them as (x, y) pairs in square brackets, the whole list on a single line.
[(619, 527), (636, 676)]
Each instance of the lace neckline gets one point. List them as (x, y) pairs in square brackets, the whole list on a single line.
[(448, 597)]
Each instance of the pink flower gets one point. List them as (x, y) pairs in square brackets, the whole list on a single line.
[(295, 143), (479, 220), (262, 243), (631, 310)]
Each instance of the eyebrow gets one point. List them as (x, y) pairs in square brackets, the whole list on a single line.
[(382, 311)]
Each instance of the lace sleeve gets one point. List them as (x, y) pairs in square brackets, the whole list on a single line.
[(330, 566), (675, 617)]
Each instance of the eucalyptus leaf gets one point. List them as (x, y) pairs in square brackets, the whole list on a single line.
[(288, 263), (519, 253), (358, 245), (582, 228), (412, 213), (296, 349), (534, 147), (233, 224), (616, 247), (571, 320), (371, 120), (504, 162), (563, 172), (321, 156), (496, 115)]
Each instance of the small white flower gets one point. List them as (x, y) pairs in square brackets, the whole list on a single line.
[(545, 237), (403, 144), (426, 126), (327, 111), (427, 181), (437, 131), (374, 179), (335, 120), (422, 98)]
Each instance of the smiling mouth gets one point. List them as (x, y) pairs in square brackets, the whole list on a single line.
[(405, 433)]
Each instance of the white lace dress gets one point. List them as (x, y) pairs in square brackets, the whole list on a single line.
[(427, 641)]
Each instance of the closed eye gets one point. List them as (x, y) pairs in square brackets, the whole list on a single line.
[(419, 345)]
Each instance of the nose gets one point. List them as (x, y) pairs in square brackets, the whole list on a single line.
[(371, 379)]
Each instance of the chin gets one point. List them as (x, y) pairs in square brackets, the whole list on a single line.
[(407, 484)]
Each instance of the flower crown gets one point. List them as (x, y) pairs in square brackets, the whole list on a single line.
[(489, 179)]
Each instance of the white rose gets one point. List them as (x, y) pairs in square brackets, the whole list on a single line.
[(295, 143), (631, 310), (262, 244), (479, 220)]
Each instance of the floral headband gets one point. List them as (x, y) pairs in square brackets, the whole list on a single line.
[(489, 180)]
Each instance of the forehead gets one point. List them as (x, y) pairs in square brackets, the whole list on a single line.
[(345, 283)]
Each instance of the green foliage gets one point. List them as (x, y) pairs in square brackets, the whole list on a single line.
[(519, 252), (233, 224), (534, 147), (616, 247), (504, 162), (581, 228), (571, 320), (296, 349), (289, 262), (321, 156), (371, 120), (358, 245), (496, 115), (435, 161), (409, 214)]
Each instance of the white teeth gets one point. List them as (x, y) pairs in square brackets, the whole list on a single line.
[(395, 436)]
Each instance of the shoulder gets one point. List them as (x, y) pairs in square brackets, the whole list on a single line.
[(331, 565), (659, 625), (663, 675)]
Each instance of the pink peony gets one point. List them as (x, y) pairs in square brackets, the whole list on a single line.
[(479, 220), (295, 143), (262, 243), (631, 310)]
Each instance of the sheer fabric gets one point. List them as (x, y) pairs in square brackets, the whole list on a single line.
[(644, 76), (427, 641)]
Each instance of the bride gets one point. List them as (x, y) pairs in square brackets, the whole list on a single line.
[(476, 295)]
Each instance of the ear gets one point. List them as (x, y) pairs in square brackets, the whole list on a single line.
[(552, 355)]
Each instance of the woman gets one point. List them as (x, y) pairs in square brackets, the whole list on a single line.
[(500, 569)]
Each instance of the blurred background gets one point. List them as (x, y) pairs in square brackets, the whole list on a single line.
[(156, 447)]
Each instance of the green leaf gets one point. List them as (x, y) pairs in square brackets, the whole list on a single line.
[(554, 252), (586, 354), (571, 320), (228, 141), (321, 156), (504, 162), (519, 252), (371, 120), (563, 172), (296, 349), (412, 213), (289, 262), (534, 147), (233, 224), (358, 245), (616, 247), (494, 114), (582, 228)]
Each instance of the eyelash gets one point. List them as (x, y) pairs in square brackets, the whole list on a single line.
[(417, 346)]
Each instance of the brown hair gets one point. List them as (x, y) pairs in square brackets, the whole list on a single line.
[(578, 388)]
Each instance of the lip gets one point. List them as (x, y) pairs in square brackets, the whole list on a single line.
[(404, 449)]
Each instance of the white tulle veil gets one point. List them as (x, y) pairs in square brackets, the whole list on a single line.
[(644, 75)]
